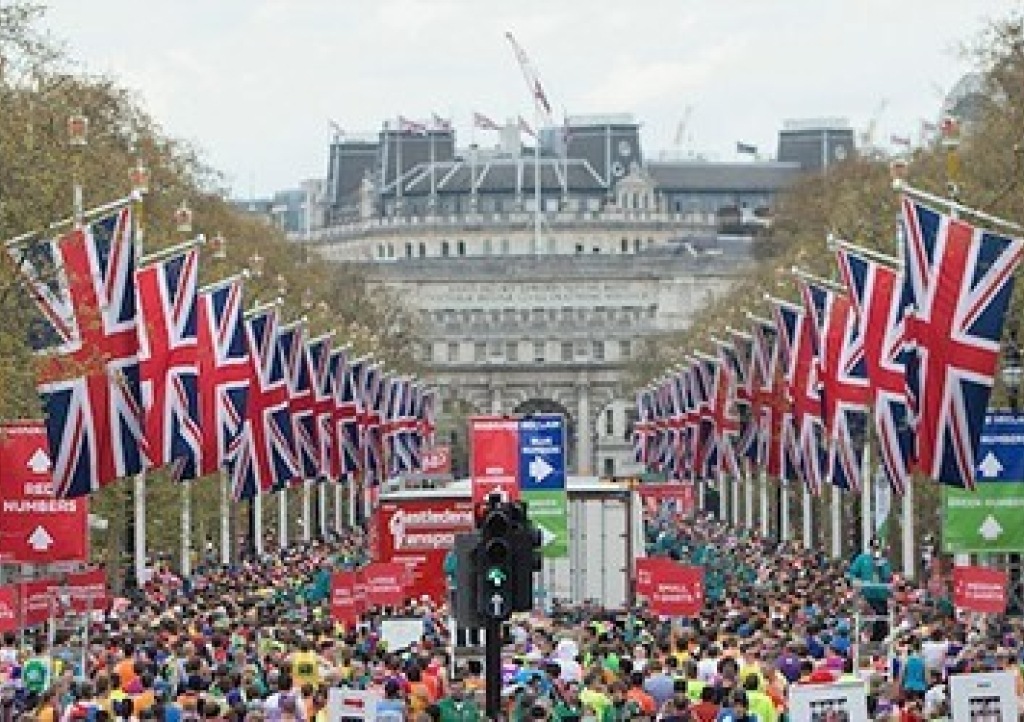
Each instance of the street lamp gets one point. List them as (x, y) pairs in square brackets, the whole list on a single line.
[(256, 262), (183, 218), (1012, 372), (219, 247)]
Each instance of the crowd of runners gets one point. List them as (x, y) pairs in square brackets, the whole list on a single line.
[(255, 641)]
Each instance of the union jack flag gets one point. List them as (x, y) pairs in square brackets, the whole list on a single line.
[(880, 304), (370, 392), (792, 338), (724, 420), (957, 279), (807, 397), (428, 417), (738, 354), (705, 446), (643, 427), (770, 396), (263, 458), (169, 362), (319, 353), (347, 413), (223, 359), (398, 424), (301, 402), (83, 286), (845, 392)]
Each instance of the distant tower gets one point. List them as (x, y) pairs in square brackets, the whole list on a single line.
[(816, 143)]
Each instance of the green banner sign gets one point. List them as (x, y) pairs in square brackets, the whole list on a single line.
[(549, 510), (985, 520)]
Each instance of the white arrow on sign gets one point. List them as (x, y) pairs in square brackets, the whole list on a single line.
[(40, 539), (540, 469), (546, 536), (990, 466), (497, 605), (990, 529), (39, 462)]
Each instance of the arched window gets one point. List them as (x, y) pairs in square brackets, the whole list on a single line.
[(380, 251)]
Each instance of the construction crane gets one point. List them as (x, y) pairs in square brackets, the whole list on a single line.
[(867, 137), (684, 124), (543, 110), (540, 99)]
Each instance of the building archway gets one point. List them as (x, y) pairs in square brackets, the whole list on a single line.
[(535, 406)]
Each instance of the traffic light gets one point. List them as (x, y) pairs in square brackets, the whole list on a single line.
[(496, 560), (527, 548)]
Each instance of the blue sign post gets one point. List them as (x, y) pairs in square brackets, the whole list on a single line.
[(542, 453), (542, 479), (987, 520)]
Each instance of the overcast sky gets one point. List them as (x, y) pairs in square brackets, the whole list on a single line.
[(254, 83)]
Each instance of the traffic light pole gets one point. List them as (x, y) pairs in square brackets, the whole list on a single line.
[(492, 669)]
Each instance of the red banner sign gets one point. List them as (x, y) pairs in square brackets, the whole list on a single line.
[(437, 461), (979, 589), (8, 609), (494, 449), (482, 489), (419, 533), (646, 569), (675, 590), (81, 592), (346, 604), (35, 526), (386, 583), (680, 495)]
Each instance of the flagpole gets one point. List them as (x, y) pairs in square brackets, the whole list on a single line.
[(257, 523), (764, 502), (748, 508), (282, 518), (307, 520), (735, 503), (867, 481), (87, 215), (139, 542), (225, 520), (337, 508), (321, 498), (186, 530), (808, 510), (955, 206), (837, 522), (351, 484), (784, 531), (536, 181)]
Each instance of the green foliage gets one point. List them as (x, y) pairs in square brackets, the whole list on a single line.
[(39, 91)]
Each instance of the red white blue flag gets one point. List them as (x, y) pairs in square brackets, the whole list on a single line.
[(877, 296), (845, 392), (83, 285), (957, 279), (347, 412), (223, 359), (169, 362), (301, 402), (262, 458), (324, 438)]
